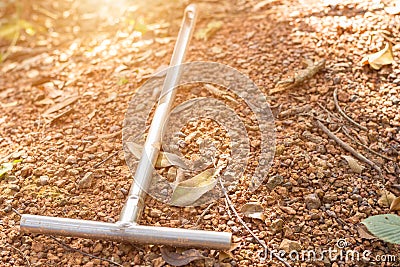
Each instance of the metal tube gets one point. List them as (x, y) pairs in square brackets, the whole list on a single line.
[(144, 171), (127, 229), (134, 233)]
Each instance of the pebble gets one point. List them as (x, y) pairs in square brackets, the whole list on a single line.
[(277, 225), (71, 160), (43, 180), (274, 181), (330, 197), (155, 213), (290, 245), (312, 201), (86, 181), (14, 187)]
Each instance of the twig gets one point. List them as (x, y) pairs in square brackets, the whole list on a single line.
[(355, 154), (17, 212), (20, 252), (228, 200), (111, 135), (348, 148), (341, 112), (109, 157), (346, 132), (303, 75), (204, 213), (83, 253), (330, 113)]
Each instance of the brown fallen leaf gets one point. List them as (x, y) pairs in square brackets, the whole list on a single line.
[(165, 159), (395, 206), (253, 210), (363, 232), (262, 4), (353, 163), (66, 102), (379, 59), (386, 199), (312, 69), (188, 191), (180, 259)]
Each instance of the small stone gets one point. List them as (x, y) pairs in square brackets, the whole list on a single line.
[(71, 160), (158, 262), (274, 181), (86, 181), (289, 210), (330, 197), (312, 201), (331, 213), (14, 187), (115, 128), (155, 213), (43, 180), (290, 245), (277, 225), (98, 248)]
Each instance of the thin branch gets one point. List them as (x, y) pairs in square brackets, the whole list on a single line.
[(83, 253), (109, 157), (348, 148), (344, 114), (228, 200), (204, 213), (20, 252), (346, 132)]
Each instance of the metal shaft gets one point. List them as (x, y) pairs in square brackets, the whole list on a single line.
[(127, 229), (134, 233), (144, 172)]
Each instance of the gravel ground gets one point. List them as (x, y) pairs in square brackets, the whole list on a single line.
[(311, 197)]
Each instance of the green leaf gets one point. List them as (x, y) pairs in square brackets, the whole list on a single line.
[(187, 192), (8, 166), (122, 81), (209, 31), (385, 227), (10, 30)]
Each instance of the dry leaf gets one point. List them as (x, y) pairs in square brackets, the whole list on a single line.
[(135, 149), (253, 210), (43, 102), (303, 75), (188, 191), (67, 101), (353, 163), (386, 199), (180, 259), (223, 255), (210, 30), (393, 10), (165, 159), (378, 59), (262, 4), (363, 232), (395, 206)]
